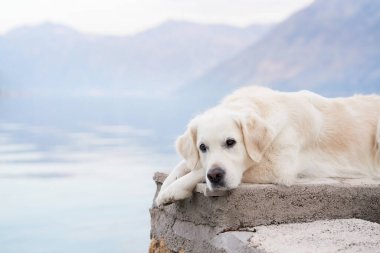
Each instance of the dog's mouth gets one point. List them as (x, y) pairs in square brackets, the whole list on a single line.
[(222, 186), (219, 187), (218, 180)]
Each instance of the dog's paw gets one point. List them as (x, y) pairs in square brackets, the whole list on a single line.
[(167, 197), (163, 200)]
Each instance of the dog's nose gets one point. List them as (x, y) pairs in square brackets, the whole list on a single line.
[(216, 175)]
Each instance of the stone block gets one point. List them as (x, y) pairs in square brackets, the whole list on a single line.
[(204, 221)]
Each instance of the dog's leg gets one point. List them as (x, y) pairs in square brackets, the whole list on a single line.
[(287, 166), (378, 136), (377, 143), (181, 188), (179, 171)]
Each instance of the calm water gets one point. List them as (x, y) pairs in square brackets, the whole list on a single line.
[(76, 174)]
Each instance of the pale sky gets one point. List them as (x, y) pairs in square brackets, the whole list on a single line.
[(122, 17)]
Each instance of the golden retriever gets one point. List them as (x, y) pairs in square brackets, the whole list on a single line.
[(258, 135)]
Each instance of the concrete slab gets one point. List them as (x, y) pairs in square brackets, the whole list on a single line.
[(346, 235), (202, 223), (259, 204)]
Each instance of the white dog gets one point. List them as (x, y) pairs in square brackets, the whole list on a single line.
[(258, 135)]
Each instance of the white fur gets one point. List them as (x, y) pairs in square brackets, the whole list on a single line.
[(281, 137)]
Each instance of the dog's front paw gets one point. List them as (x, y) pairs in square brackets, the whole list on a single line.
[(167, 196), (163, 198)]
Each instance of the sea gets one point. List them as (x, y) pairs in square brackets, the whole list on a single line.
[(76, 173)]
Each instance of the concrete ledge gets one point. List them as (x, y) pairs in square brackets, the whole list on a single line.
[(204, 219), (347, 235)]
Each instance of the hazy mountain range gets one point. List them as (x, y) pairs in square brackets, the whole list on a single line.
[(52, 58), (331, 47)]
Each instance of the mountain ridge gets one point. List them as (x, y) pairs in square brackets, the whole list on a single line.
[(162, 58), (329, 47)]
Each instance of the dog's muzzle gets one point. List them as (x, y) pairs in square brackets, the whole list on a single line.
[(216, 177)]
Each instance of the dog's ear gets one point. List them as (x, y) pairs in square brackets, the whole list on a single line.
[(186, 147), (258, 136)]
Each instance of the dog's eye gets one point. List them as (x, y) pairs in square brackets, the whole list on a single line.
[(203, 148), (230, 143)]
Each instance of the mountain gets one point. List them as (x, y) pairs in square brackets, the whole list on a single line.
[(52, 58), (331, 47)]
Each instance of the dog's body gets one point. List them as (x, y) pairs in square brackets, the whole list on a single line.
[(257, 135)]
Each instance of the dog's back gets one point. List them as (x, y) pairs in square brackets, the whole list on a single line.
[(337, 137), (345, 141)]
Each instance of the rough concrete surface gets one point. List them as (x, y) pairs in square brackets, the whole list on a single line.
[(346, 235), (213, 224)]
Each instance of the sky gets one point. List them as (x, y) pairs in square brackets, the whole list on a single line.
[(126, 17)]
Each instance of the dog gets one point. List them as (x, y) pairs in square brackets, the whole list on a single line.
[(259, 135)]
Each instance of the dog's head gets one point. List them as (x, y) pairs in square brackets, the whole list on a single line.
[(225, 144)]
